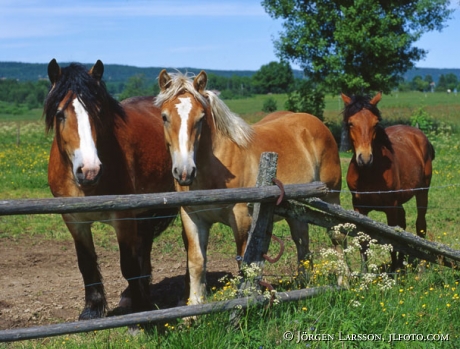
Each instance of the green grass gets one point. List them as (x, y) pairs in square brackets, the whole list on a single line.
[(415, 304)]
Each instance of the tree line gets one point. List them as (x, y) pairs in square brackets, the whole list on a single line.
[(447, 82), (272, 78)]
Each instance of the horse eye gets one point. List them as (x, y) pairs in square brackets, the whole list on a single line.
[(350, 125), (164, 117), (60, 116)]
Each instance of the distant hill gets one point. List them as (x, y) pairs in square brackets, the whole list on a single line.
[(121, 73), (112, 72)]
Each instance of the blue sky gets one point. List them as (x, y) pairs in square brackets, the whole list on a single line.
[(226, 35)]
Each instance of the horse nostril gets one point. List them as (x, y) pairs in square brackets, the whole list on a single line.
[(192, 174)]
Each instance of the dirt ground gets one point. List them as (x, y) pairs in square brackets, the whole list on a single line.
[(41, 284)]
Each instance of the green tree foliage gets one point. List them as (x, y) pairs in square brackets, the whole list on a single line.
[(274, 77), (447, 82), (354, 46), (137, 86), (27, 94), (269, 105), (306, 98), (419, 84), (231, 88)]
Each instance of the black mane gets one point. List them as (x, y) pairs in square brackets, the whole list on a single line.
[(359, 103), (90, 92)]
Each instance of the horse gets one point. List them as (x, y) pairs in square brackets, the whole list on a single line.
[(389, 166), (103, 147), (213, 148)]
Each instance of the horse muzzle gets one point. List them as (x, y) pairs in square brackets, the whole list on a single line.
[(87, 177), (184, 177), (364, 160)]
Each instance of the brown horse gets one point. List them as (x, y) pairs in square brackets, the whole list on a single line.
[(102, 147), (389, 166), (212, 148)]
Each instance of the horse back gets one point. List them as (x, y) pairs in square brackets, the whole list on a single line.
[(307, 150)]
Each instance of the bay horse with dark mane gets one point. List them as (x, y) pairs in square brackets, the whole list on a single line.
[(102, 147), (389, 166), (213, 148)]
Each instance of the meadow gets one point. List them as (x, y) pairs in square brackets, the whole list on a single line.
[(377, 311)]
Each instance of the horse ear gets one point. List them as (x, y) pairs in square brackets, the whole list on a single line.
[(346, 99), (376, 98), (164, 80), (200, 81), (54, 71), (97, 70)]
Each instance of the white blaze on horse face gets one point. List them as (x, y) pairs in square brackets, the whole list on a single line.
[(85, 158), (184, 159)]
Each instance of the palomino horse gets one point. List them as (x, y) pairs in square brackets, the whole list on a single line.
[(389, 166), (101, 147), (212, 148)]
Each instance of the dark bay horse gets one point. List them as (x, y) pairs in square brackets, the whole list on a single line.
[(389, 166), (212, 148), (102, 147)]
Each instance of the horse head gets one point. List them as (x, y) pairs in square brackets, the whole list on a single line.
[(183, 108), (72, 108), (362, 120)]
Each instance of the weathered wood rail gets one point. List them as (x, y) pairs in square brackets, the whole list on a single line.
[(327, 215), (160, 315), (160, 200)]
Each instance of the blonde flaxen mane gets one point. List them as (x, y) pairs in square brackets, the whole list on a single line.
[(227, 122)]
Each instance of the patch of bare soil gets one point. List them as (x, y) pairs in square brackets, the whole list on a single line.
[(41, 284)]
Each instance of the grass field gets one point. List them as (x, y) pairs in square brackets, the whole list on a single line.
[(375, 306)]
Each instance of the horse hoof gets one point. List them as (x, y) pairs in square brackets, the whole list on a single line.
[(88, 314)]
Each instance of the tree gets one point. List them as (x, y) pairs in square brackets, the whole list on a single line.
[(447, 82), (274, 77), (418, 84), (355, 46), (137, 86), (306, 98)]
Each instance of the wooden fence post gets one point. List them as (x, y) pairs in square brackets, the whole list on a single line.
[(262, 222), (260, 232)]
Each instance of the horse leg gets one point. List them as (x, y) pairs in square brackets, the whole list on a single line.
[(301, 238), (422, 206), (195, 235), (240, 221), (396, 217), (187, 274), (135, 267), (95, 301), (145, 234)]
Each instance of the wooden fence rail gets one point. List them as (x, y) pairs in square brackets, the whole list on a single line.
[(327, 215), (160, 315), (160, 200)]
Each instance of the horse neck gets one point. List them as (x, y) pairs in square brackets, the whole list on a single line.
[(213, 158), (209, 140)]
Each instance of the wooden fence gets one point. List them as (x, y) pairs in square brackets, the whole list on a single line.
[(265, 196)]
